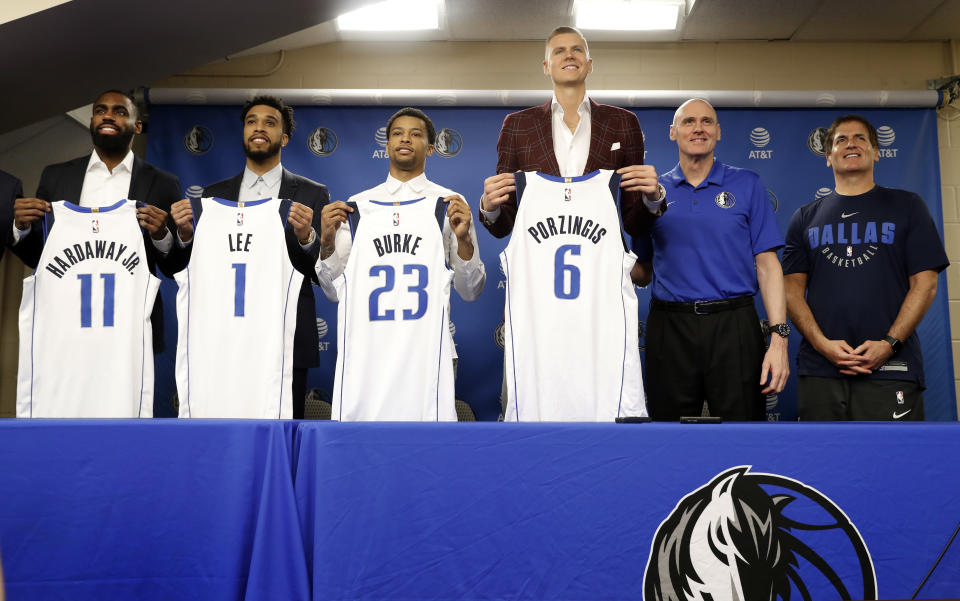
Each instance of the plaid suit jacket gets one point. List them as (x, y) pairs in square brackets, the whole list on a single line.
[(526, 144)]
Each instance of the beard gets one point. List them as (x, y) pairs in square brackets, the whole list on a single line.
[(258, 156), (113, 143)]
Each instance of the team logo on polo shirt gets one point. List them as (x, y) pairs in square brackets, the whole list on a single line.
[(725, 200), (199, 139), (817, 141), (322, 141), (449, 142), (758, 536)]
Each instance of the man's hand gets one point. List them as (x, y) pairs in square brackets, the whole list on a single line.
[(639, 178), (873, 353), (27, 211), (775, 366), (182, 213), (332, 216), (301, 218), (154, 220), (497, 190), (458, 212), (843, 356)]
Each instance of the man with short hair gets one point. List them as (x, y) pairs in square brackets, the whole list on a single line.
[(267, 126), (569, 136), (711, 253), (410, 140), (861, 269), (110, 173)]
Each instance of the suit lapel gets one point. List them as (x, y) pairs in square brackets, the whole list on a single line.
[(140, 181), (288, 186), (72, 186), (597, 137), (544, 125)]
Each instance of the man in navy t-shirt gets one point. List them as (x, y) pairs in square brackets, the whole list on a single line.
[(861, 269), (711, 252)]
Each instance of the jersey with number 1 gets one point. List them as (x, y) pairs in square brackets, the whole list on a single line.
[(237, 311), (394, 360), (86, 345), (571, 327)]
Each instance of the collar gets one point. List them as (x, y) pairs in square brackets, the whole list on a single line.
[(583, 109), (417, 184), (96, 162), (270, 178), (675, 176)]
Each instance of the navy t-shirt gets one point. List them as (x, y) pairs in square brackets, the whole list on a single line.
[(858, 253)]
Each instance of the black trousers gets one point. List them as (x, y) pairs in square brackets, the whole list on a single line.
[(299, 391), (715, 358), (858, 399)]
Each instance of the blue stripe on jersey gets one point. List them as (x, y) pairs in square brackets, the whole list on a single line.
[(579, 178), (353, 218), (398, 203), (440, 212), (513, 352), (443, 318), (283, 357), (520, 180), (197, 209), (343, 349), (285, 206), (79, 209), (234, 203)]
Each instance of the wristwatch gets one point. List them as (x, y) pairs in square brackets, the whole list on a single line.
[(781, 329), (894, 343)]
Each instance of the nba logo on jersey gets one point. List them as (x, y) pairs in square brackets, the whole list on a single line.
[(396, 219), (95, 226), (899, 397), (239, 218), (568, 194), (849, 251)]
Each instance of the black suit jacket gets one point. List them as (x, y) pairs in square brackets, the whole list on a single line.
[(64, 181), (307, 192), (10, 190), (526, 144)]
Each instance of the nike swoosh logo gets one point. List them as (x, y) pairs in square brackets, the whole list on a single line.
[(671, 202), (845, 215), (899, 415)]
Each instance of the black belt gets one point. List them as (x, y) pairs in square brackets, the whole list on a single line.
[(703, 307)]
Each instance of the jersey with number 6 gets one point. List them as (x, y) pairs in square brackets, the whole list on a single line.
[(236, 308), (86, 346), (571, 329), (394, 360)]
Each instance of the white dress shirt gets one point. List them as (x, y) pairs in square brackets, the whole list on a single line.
[(468, 276), (570, 148), (102, 187), (256, 187)]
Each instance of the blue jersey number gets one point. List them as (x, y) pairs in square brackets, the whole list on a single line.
[(419, 289), (561, 270), (86, 299), (239, 288)]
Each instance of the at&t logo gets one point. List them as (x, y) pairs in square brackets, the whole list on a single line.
[(760, 137), (381, 139), (886, 137), (322, 329)]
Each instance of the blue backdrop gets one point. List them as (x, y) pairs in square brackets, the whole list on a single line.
[(343, 147)]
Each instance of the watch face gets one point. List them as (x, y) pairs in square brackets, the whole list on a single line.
[(782, 329)]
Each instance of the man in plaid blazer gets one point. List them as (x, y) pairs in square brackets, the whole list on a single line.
[(569, 136)]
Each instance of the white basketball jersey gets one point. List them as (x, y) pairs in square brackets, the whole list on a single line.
[(394, 359), (86, 346), (237, 311), (570, 331)]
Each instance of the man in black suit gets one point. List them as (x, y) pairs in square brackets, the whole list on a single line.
[(267, 127), (10, 190), (110, 173)]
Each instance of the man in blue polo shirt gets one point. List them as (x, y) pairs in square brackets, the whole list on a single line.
[(710, 253), (861, 265)]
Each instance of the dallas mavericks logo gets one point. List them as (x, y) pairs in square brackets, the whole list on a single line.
[(498, 336), (774, 201), (449, 142), (757, 537), (322, 141), (817, 141), (95, 226), (194, 191), (198, 140), (725, 200), (759, 137)]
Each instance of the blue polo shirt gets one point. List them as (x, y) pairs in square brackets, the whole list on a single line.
[(703, 247)]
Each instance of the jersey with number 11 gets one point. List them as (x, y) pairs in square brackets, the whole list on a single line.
[(571, 329), (86, 346), (236, 312)]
